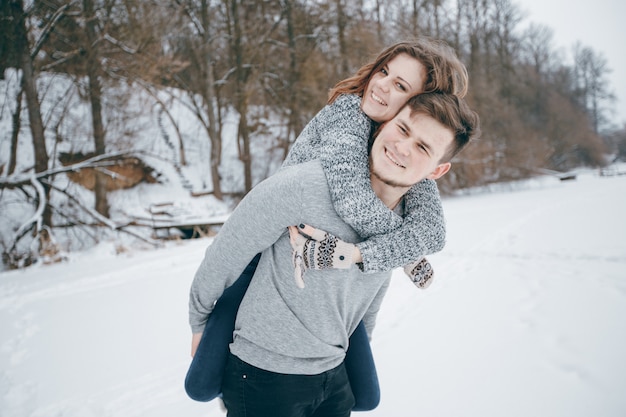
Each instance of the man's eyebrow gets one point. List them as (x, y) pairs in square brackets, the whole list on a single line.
[(406, 126), (418, 137), (425, 144)]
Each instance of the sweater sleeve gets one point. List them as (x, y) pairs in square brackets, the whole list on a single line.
[(423, 232), (344, 135), (258, 221)]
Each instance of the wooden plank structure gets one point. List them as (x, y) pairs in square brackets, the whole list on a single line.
[(169, 221)]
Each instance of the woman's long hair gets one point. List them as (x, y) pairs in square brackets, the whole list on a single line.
[(445, 72)]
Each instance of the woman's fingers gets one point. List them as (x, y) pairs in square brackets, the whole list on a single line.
[(312, 232)]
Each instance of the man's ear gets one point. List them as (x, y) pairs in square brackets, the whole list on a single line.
[(440, 171)]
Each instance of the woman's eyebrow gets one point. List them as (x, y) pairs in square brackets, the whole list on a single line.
[(405, 81)]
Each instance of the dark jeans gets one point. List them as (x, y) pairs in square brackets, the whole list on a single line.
[(204, 377), (252, 392)]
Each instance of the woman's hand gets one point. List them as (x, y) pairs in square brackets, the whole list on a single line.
[(316, 249), (420, 272)]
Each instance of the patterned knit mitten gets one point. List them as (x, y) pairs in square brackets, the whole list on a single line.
[(420, 272), (319, 251)]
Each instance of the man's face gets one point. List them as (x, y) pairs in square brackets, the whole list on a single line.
[(407, 150)]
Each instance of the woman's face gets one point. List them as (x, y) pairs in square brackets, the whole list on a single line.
[(390, 88)]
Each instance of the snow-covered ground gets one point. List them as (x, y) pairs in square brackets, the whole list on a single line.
[(526, 317)]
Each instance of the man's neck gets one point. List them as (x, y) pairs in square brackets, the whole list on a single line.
[(388, 194)]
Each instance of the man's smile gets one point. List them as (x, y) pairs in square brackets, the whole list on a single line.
[(392, 157)]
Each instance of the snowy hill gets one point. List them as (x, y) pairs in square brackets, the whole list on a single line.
[(525, 317)]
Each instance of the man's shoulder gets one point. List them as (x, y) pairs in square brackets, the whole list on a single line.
[(307, 175), (313, 167)]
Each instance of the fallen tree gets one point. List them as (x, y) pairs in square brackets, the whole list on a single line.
[(32, 186)]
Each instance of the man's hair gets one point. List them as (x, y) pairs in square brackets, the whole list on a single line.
[(445, 72), (453, 113)]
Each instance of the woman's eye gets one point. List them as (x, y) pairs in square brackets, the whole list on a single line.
[(401, 87), (384, 71)]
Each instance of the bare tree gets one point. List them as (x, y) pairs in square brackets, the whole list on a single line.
[(94, 71), (201, 44), (16, 125), (29, 84), (591, 69), (505, 19), (294, 125), (475, 14), (537, 48), (342, 23)]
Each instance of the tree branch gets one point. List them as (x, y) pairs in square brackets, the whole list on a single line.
[(120, 45), (46, 31), (66, 57), (95, 162), (101, 219), (36, 218)]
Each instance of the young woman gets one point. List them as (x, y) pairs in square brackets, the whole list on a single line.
[(339, 136)]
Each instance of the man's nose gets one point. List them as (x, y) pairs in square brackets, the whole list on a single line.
[(403, 147)]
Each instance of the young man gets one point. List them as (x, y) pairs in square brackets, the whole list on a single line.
[(290, 340)]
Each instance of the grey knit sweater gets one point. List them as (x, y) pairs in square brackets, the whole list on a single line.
[(280, 327), (338, 136)]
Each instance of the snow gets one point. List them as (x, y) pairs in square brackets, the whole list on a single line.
[(525, 317)]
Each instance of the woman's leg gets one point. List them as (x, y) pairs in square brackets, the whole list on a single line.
[(204, 377), (361, 371)]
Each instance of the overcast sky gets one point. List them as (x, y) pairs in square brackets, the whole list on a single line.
[(599, 24)]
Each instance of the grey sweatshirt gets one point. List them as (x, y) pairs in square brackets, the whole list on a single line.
[(280, 327), (338, 136)]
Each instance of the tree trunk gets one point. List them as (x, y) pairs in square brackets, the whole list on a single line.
[(293, 128), (241, 99), (379, 23), (95, 98), (211, 101), (17, 124), (32, 101), (341, 29), (415, 18), (436, 6)]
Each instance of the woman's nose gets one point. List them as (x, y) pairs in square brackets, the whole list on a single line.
[(384, 84)]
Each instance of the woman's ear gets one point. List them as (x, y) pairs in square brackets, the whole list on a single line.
[(440, 171)]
